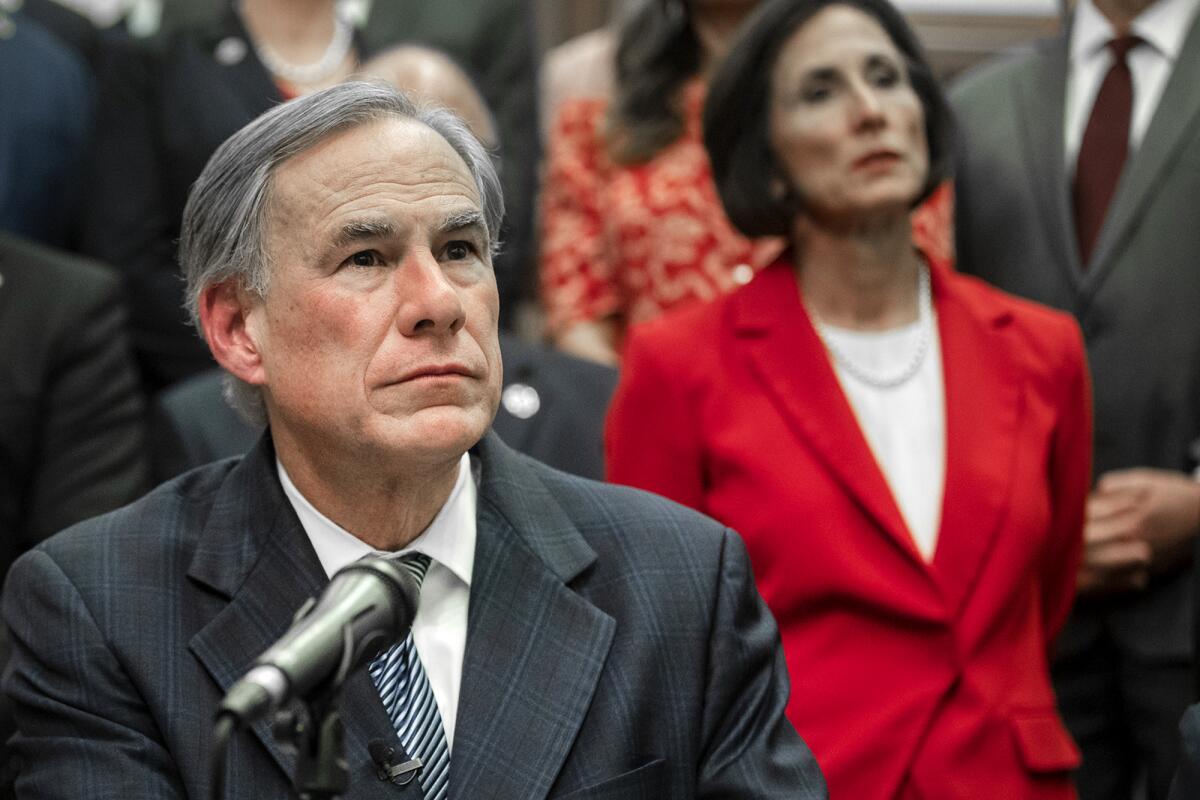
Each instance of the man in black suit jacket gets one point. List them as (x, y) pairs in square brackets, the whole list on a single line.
[(594, 642), (72, 441), (1123, 667), (72, 429)]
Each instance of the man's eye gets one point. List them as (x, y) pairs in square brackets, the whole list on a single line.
[(457, 251), (365, 258)]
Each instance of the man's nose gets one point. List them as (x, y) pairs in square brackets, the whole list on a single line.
[(427, 300)]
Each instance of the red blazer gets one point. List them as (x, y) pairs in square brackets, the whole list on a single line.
[(909, 679)]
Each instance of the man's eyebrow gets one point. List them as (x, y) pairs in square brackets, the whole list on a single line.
[(463, 219), (358, 230)]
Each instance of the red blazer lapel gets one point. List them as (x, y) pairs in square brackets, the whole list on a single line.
[(984, 405), (789, 360)]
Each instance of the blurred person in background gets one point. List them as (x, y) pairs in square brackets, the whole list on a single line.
[(1077, 188), (47, 96), (164, 108), (72, 426), (631, 224), (905, 449)]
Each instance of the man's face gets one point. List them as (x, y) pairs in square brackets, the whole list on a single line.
[(377, 336)]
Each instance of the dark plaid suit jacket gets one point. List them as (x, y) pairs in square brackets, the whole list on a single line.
[(616, 647)]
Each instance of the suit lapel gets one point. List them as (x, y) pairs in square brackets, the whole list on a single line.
[(255, 552), (1174, 120), (790, 363), (535, 649), (984, 404), (1040, 102)]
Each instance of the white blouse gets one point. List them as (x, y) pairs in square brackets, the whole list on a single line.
[(905, 426)]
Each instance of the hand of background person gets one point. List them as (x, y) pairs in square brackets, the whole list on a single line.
[(1139, 522)]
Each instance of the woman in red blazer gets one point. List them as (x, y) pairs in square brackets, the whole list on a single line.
[(905, 449)]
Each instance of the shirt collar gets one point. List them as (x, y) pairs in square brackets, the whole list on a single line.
[(1164, 26), (449, 540)]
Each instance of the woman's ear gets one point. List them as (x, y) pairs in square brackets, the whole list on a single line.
[(225, 312)]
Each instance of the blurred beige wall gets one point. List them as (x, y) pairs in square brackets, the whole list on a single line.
[(957, 33)]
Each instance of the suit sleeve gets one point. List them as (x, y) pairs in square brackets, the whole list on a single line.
[(652, 438), (84, 728), (750, 749), (92, 455), (1070, 479)]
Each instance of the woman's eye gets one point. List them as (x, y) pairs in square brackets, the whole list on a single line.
[(884, 75), (814, 93), (365, 258), (457, 251)]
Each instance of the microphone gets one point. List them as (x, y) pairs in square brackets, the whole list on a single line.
[(368, 606)]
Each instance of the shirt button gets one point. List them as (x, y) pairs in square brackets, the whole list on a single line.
[(743, 274)]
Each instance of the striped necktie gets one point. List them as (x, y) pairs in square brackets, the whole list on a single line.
[(407, 697)]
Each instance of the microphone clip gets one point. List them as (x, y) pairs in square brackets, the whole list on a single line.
[(399, 774)]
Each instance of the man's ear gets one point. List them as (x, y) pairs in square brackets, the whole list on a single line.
[(225, 311)]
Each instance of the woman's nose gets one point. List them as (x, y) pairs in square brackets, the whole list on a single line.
[(868, 107)]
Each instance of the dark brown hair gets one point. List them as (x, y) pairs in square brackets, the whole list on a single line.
[(657, 52), (737, 109)]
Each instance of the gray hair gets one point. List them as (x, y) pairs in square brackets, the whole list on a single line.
[(224, 223)]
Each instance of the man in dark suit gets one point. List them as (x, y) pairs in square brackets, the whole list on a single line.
[(1077, 187), (580, 640), (72, 431)]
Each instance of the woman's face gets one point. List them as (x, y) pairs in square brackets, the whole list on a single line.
[(845, 123)]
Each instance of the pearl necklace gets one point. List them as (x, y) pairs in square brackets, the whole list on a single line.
[(316, 71), (911, 366)]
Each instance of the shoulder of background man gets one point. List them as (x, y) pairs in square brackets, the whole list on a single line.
[(982, 83), (54, 288)]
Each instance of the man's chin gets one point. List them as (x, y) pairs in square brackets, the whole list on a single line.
[(439, 431)]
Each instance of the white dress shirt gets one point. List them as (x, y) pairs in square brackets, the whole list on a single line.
[(1162, 27), (905, 426), (440, 628)]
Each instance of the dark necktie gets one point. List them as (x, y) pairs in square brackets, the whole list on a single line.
[(1104, 148), (406, 694)]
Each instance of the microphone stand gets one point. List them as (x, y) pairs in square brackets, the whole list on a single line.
[(313, 729)]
